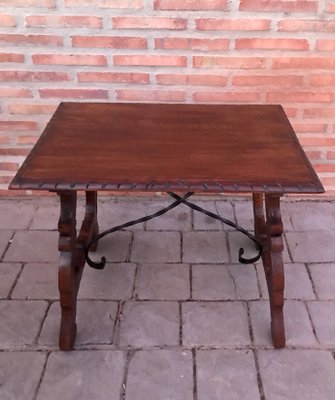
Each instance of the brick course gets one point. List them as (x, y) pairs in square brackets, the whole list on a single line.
[(216, 51)]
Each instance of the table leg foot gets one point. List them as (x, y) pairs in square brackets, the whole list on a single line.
[(269, 232), (72, 259)]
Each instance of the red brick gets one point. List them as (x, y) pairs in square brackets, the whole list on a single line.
[(226, 96), (20, 39), (314, 155), (299, 97), (69, 59), (306, 25), (194, 5), (303, 62), (122, 4), (317, 141), (290, 112), (322, 80), (330, 7), (7, 20), (28, 3), (31, 108), (268, 80), (330, 155), (116, 42), (195, 80), (7, 151), (310, 128), (324, 167), (150, 95), (75, 93), (118, 77), (271, 44), (225, 24), (151, 60), (11, 57), (229, 62), (33, 76), (191, 44), (319, 113), (149, 23), (325, 44), (4, 139), (5, 179), (9, 166), (15, 92), (18, 125), (63, 21), (26, 139), (279, 5)]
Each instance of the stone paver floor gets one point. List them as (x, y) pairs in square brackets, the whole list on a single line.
[(173, 316)]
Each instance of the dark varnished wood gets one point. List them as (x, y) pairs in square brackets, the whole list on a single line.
[(269, 230), (72, 259), (157, 147)]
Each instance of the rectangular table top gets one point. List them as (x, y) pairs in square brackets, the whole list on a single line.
[(162, 147)]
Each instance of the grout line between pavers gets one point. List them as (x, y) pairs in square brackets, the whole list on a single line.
[(259, 377), (129, 356), (191, 281), (311, 321), (181, 236), (259, 287), (194, 365), (42, 375), (251, 330), (40, 328), (130, 247), (7, 246), (9, 296), (180, 323), (311, 280), (134, 295), (117, 323)]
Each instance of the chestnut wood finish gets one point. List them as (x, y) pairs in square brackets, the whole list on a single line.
[(155, 147)]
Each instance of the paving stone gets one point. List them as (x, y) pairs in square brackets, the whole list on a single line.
[(37, 281), (20, 321), (309, 215), (114, 247), (203, 222), (113, 212), (163, 282), (177, 219), (160, 374), (156, 247), (323, 276), (297, 374), (83, 375), (205, 247), (212, 282), (114, 282), (20, 373), (323, 317), (228, 373), (5, 237), (237, 240), (47, 214), (245, 216), (16, 214), (95, 322), (33, 246), (8, 273), (226, 210), (150, 323), (245, 279), (297, 282), (215, 324), (313, 246), (298, 327)]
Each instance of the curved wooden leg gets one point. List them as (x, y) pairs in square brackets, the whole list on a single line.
[(275, 278), (66, 272), (269, 232), (72, 259)]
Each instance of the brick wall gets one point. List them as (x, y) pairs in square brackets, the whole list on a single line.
[(210, 51)]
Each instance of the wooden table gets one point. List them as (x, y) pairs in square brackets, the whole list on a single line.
[(159, 147)]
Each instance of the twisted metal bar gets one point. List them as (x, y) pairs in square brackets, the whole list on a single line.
[(179, 200)]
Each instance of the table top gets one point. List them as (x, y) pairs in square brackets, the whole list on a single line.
[(162, 147)]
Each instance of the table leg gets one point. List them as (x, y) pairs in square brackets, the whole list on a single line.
[(72, 259), (269, 232)]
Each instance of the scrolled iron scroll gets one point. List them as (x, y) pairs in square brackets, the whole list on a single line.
[(178, 200)]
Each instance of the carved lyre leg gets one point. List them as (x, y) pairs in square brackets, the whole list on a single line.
[(72, 259), (269, 232)]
